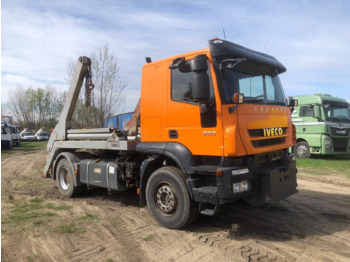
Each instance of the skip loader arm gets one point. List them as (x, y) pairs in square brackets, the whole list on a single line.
[(82, 71)]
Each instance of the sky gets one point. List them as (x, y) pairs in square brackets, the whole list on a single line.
[(38, 38)]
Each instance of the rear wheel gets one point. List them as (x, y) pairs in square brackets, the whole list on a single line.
[(65, 179), (168, 199), (302, 149)]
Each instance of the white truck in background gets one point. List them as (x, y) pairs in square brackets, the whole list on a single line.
[(26, 135), (13, 130), (6, 139), (41, 135), (16, 138)]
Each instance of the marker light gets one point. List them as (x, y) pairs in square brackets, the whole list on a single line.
[(240, 171)]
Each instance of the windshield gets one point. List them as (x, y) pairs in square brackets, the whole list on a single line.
[(257, 88), (337, 113), (27, 134)]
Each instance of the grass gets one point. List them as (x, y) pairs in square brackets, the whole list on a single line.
[(32, 257), (88, 218), (326, 165), (71, 228), (25, 147), (34, 212), (148, 237)]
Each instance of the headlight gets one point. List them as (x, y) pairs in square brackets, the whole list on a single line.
[(241, 187), (327, 142)]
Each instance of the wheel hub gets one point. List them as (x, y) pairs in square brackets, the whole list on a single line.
[(166, 199), (64, 178), (302, 151)]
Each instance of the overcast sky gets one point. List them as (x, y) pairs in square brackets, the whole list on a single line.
[(311, 38)]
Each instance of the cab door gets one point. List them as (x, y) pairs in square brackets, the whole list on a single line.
[(187, 123)]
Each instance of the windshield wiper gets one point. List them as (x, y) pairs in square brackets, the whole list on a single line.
[(276, 103), (253, 101)]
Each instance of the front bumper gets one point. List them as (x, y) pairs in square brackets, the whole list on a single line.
[(268, 184)]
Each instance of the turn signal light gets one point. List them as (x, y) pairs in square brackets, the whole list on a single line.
[(238, 98), (219, 172)]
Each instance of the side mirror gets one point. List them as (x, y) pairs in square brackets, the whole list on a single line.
[(199, 64), (201, 88), (292, 102), (200, 81)]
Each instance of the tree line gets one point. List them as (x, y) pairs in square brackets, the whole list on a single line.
[(36, 108)]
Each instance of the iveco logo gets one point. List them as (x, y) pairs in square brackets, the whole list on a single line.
[(273, 131), (209, 133)]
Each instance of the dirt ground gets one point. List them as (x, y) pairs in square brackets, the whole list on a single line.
[(313, 225)]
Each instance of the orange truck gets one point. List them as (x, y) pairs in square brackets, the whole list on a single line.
[(212, 127)]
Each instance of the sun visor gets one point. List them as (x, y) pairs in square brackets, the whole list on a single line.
[(221, 48)]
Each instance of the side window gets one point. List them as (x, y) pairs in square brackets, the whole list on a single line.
[(307, 111), (181, 85)]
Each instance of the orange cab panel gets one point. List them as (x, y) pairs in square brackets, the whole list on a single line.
[(153, 102), (264, 128)]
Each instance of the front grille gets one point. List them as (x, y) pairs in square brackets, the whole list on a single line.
[(340, 144), (260, 132), (336, 131), (269, 142)]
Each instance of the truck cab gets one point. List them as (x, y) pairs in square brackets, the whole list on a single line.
[(220, 111), (323, 126)]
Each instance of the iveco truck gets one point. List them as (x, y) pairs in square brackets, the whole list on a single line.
[(214, 127), (323, 126)]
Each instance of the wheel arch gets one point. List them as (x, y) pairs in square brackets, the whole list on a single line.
[(302, 140), (180, 156), (73, 161)]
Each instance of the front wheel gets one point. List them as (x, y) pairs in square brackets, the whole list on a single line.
[(302, 150), (168, 199), (65, 179)]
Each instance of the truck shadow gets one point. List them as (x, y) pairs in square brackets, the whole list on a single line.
[(290, 219), (308, 213)]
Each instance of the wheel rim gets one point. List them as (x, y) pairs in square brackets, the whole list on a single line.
[(165, 198), (302, 151), (64, 179)]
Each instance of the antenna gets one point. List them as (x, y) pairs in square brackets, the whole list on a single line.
[(223, 29), (266, 50)]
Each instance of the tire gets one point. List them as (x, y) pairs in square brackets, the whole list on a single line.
[(302, 150), (65, 179), (168, 199)]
